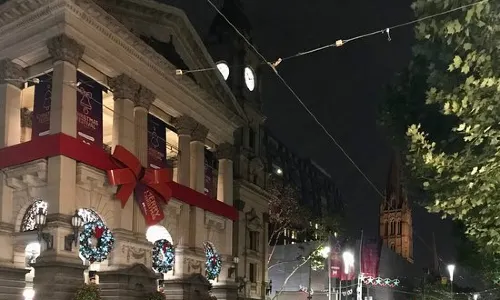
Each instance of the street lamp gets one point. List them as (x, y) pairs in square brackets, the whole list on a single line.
[(325, 253), (76, 224), (475, 296), (348, 259), (40, 222), (451, 270)]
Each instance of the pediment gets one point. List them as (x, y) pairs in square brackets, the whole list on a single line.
[(168, 32)]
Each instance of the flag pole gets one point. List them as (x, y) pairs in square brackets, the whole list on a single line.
[(330, 268), (359, 289)]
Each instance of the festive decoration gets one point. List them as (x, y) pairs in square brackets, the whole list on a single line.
[(88, 292), (213, 264), (380, 281), (151, 184), (157, 296), (105, 241), (64, 145), (163, 256)]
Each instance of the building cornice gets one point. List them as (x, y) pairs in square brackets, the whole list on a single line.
[(23, 21)]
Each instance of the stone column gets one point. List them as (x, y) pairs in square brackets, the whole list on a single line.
[(197, 165), (59, 272), (143, 101), (61, 174), (185, 126), (10, 102), (125, 90), (225, 155)]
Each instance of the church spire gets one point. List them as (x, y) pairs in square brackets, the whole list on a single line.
[(395, 197)]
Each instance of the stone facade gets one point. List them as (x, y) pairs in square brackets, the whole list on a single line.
[(100, 41)]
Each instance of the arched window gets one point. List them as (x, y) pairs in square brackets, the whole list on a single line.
[(393, 227), (386, 229), (28, 223), (400, 227), (393, 247)]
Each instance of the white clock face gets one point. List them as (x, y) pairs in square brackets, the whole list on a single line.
[(249, 78), (223, 69)]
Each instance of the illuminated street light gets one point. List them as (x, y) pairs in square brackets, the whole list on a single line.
[(451, 270), (279, 171), (325, 251), (476, 296), (348, 261)]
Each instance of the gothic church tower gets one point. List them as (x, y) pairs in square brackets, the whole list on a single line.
[(396, 229)]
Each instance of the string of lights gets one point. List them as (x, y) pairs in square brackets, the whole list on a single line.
[(341, 42)]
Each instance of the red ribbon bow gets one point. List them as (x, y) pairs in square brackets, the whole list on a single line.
[(133, 173)]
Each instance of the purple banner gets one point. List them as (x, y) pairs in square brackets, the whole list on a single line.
[(41, 107), (335, 265), (89, 110), (209, 180), (157, 148), (370, 257)]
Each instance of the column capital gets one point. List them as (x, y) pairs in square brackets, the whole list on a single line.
[(185, 125), (225, 151), (144, 98), (10, 70), (199, 133), (123, 87), (64, 48)]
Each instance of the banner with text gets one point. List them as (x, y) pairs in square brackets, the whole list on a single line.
[(89, 111), (157, 150), (40, 119), (370, 257), (209, 173), (149, 203), (335, 264)]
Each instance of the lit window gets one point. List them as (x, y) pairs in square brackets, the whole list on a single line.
[(223, 69)]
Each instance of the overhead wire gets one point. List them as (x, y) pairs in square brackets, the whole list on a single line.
[(338, 43)]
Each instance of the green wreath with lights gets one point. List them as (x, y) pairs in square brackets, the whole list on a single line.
[(104, 245), (213, 263), (163, 256)]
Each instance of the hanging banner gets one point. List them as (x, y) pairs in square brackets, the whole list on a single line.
[(149, 203), (41, 107), (349, 275), (335, 264), (157, 150), (89, 111), (370, 257), (209, 180)]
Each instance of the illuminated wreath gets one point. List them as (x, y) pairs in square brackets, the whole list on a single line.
[(163, 256), (213, 263), (104, 245)]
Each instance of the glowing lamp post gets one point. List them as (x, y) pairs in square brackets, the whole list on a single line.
[(348, 258), (325, 253), (451, 270), (475, 296)]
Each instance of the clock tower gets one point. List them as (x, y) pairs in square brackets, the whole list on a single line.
[(239, 65)]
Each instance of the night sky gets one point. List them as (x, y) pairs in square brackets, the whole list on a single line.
[(343, 87)]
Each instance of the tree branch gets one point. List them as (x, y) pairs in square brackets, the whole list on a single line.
[(290, 276)]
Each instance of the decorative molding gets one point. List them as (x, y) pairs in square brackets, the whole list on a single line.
[(123, 87), (26, 115), (32, 174), (64, 48), (212, 220), (11, 73), (199, 133), (185, 125), (225, 151), (144, 98)]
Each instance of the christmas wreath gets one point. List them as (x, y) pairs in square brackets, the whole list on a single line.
[(104, 244), (213, 263), (163, 256)]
